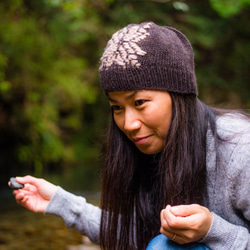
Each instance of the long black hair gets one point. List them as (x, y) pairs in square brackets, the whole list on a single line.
[(136, 187)]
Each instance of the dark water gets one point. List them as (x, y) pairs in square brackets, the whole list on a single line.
[(21, 229)]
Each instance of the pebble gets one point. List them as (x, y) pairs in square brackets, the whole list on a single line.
[(14, 184)]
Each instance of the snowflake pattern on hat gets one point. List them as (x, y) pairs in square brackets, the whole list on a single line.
[(122, 49)]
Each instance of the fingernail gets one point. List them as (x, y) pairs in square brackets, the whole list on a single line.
[(174, 209)]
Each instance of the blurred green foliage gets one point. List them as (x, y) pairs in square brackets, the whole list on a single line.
[(52, 111), (43, 87), (227, 8)]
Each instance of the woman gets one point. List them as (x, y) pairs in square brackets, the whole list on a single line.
[(176, 171)]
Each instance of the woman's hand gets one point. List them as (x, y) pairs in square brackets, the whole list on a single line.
[(36, 193), (185, 223)]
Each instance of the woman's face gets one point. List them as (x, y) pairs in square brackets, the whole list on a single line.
[(143, 116)]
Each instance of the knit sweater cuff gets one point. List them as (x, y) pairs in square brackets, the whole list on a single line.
[(76, 213), (224, 235)]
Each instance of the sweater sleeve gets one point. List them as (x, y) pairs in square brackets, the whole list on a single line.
[(224, 235), (234, 234), (76, 213)]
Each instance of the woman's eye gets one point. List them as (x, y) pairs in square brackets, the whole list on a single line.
[(139, 102), (116, 107)]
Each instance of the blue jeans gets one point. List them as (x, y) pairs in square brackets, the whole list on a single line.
[(161, 242)]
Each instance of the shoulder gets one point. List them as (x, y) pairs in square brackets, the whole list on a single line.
[(234, 158), (234, 144), (232, 127)]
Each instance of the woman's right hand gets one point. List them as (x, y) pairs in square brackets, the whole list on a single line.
[(36, 193)]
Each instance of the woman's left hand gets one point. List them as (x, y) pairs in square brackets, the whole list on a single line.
[(185, 223)]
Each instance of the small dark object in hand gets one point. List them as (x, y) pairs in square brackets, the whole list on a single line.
[(14, 184)]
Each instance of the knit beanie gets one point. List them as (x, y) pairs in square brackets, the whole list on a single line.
[(148, 56)]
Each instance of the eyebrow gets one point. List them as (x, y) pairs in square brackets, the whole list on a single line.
[(126, 98)]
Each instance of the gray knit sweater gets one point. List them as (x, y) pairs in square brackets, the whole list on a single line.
[(228, 192)]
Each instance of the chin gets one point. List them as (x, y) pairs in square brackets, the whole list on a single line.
[(150, 151)]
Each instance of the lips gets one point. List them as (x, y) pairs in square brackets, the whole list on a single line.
[(141, 139)]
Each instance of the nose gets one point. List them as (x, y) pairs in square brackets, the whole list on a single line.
[(131, 121)]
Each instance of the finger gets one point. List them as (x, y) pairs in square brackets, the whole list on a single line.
[(170, 235), (19, 194), (163, 216), (24, 199), (15, 192), (167, 222), (28, 179), (19, 197), (168, 217), (188, 216), (185, 210), (28, 189), (165, 229), (170, 227), (172, 223)]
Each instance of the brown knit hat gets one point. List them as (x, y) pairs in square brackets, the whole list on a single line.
[(148, 56)]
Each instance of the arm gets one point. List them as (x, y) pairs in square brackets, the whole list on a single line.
[(233, 232), (77, 213), (230, 228), (41, 196), (224, 235), (230, 224)]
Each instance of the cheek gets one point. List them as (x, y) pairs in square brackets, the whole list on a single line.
[(167, 124), (118, 122), (162, 122), (163, 126), (168, 116)]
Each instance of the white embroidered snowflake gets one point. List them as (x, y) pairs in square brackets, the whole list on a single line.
[(125, 52)]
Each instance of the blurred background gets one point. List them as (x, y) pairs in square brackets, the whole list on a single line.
[(53, 114)]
